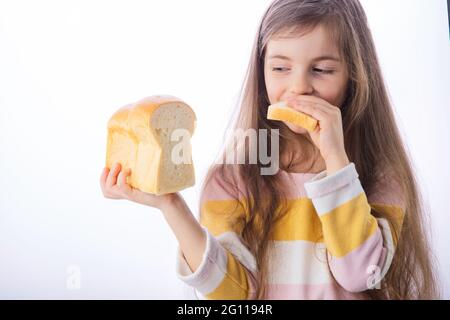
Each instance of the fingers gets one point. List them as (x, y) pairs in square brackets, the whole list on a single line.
[(318, 102), (320, 112), (314, 100), (122, 184), (310, 109), (103, 177), (114, 182), (122, 177), (112, 176)]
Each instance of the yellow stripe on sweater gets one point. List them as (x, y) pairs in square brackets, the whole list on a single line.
[(299, 223), (220, 216), (234, 284), (346, 227)]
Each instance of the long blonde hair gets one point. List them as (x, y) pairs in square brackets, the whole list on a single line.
[(371, 136)]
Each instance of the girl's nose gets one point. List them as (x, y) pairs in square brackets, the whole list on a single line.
[(301, 85)]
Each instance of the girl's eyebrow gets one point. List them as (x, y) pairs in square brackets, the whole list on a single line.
[(324, 57)]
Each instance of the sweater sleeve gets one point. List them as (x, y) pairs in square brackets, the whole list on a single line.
[(360, 245), (227, 270)]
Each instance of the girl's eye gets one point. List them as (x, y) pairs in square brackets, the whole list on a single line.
[(323, 71), (280, 69)]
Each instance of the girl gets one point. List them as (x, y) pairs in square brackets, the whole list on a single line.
[(342, 218)]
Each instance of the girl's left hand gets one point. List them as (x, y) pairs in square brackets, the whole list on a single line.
[(328, 135)]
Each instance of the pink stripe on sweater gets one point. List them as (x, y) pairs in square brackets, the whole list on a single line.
[(294, 183), (353, 270), (329, 291), (219, 189)]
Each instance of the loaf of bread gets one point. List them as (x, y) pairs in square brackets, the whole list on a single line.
[(140, 138), (282, 112)]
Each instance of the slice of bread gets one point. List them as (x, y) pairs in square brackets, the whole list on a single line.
[(282, 112), (140, 138)]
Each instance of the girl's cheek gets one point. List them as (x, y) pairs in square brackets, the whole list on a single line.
[(271, 88), (330, 92), (273, 92)]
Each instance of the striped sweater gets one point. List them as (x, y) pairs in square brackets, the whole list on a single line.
[(328, 245)]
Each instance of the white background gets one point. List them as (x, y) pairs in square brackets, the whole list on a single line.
[(66, 66)]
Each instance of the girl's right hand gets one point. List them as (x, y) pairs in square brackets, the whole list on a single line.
[(114, 186)]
